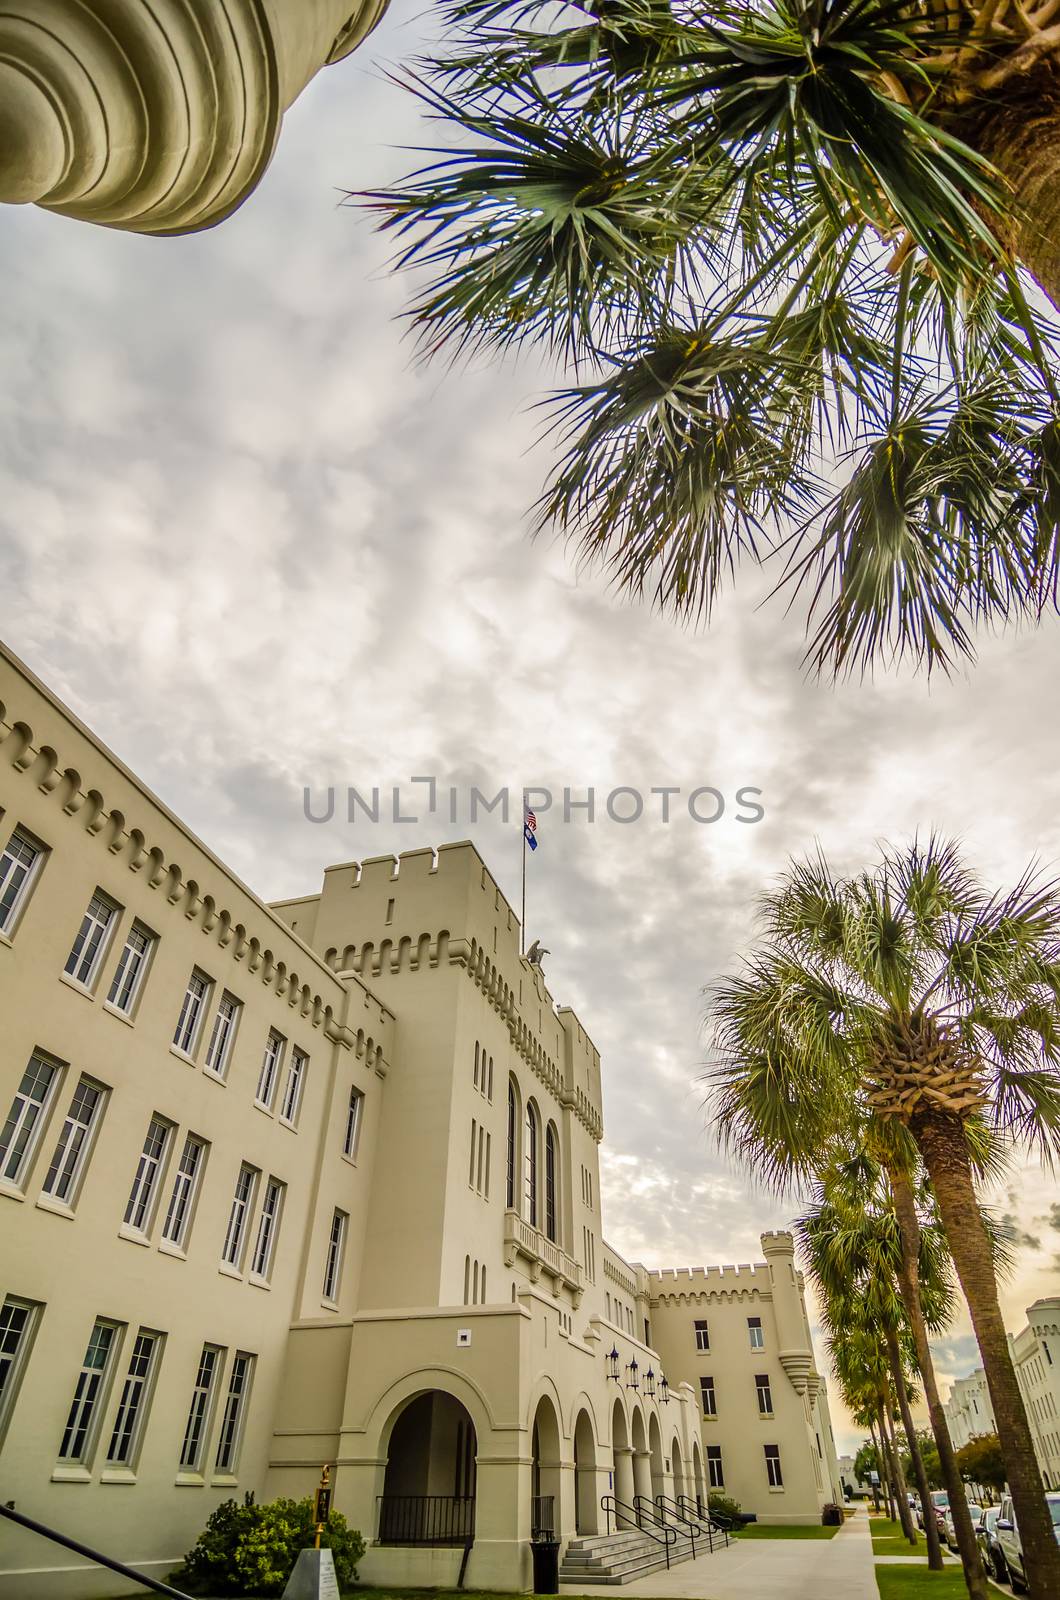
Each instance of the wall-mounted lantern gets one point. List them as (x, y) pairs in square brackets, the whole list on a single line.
[(632, 1370), (612, 1363), (649, 1384), (664, 1390)]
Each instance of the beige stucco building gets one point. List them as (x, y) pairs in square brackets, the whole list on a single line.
[(319, 1182), (156, 118), (1035, 1354)]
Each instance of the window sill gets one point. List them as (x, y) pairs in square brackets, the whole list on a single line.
[(351, 1161), (133, 1235), (330, 1305), (167, 1248), (5, 941), (117, 1475), (182, 1055), (773, 1489), (258, 1283), (215, 1077), (189, 1480), (11, 1190), (78, 988), (71, 1474), (116, 1011), (224, 1480), (228, 1271), (259, 1105), (766, 1416), (285, 1122), (58, 1208)]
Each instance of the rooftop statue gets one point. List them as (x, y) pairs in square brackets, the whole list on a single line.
[(156, 118)]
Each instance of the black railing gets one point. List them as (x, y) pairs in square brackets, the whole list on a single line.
[(716, 1525), (667, 1510), (93, 1555), (426, 1519), (542, 1517), (628, 1516)]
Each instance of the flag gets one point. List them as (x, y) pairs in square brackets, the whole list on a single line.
[(530, 829)]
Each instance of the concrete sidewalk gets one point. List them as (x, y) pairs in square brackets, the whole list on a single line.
[(769, 1569)]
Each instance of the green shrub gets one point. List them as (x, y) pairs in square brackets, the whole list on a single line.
[(725, 1508), (250, 1550)]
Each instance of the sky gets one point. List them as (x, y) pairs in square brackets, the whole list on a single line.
[(260, 550)]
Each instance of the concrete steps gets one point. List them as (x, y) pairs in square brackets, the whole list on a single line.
[(615, 1558)]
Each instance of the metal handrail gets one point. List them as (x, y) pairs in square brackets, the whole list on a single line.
[(712, 1521), (93, 1555), (642, 1503), (668, 1536), (692, 1523), (426, 1519)]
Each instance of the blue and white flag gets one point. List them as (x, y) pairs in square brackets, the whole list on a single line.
[(530, 829)]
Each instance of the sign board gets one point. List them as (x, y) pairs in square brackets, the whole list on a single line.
[(322, 1509)]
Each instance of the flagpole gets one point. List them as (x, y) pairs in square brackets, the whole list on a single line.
[(522, 917)]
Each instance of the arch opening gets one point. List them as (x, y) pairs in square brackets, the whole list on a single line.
[(430, 1479), (545, 1472), (585, 1496)]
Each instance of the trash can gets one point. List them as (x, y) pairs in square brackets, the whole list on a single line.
[(546, 1566)]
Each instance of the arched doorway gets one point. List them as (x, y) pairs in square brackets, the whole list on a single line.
[(545, 1473), (622, 1476), (677, 1468), (429, 1483), (641, 1457), (658, 1465), (697, 1476), (585, 1507)]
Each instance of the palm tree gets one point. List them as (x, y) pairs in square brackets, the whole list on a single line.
[(850, 1242), (766, 234), (861, 1366), (909, 993)]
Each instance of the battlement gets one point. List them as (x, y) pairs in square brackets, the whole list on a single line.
[(710, 1275)]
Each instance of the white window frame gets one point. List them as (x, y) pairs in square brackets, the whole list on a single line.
[(240, 1211), (271, 1067), (764, 1392), (773, 1466), (234, 1415), (708, 1389), (218, 1058), (354, 1117), (94, 935), (701, 1330), (148, 1178), (16, 904), (334, 1261), (121, 981), (96, 1378), (184, 1193), (15, 1348), (294, 1087), (201, 1407), (77, 1136), (715, 1463), (32, 1112), (194, 1035), (269, 1219), (135, 1397), (756, 1333)]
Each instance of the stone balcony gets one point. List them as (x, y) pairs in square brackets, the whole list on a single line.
[(521, 1239)]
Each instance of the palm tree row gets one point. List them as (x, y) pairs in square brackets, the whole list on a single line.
[(907, 1007), (767, 235)]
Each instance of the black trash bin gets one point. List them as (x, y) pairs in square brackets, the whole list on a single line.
[(546, 1566)]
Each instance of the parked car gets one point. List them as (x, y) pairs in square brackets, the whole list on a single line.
[(939, 1504), (1008, 1538), (946, 1528), (986, 1538)]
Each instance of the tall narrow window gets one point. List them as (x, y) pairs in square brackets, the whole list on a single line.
[(550, 1182), (268, 1227), (270, 1069), (476, 1063), (19, 864), (17, 1320), (242, 1202), (773, 1472), (474, 1148), (81, 1423), (765, 1394), (222, 1035), (715, 1474), (530, 1191), (182, 1199), (333, 1265), (754, 1331), (71, 1151), (145, 1183), (82, 964), (131, 969), (132, 1407), (708, 1396), (489, 1082), (702, 1331), (234, 1412), (353, 1124), (510, 1191), (187, 1035), (194, 1445), (25, 1120), (292, 1089)]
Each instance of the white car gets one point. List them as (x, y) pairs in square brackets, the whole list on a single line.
[(946, 1528), (939, 1503), (1008, 1538)]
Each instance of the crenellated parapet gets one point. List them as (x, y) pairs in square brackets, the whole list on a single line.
[(156, 118)]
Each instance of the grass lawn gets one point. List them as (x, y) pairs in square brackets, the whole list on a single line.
[(758, 1530), (889, 1540), (918, 1583)]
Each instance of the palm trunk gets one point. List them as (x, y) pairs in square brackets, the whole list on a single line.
[(941, 1141), (909, 1278), (886, 1481), (880, 1472), (931, 1527), (905, 1516)]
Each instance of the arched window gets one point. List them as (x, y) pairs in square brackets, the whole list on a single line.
[(550, 1182), (512, 1124), (531, 1165)]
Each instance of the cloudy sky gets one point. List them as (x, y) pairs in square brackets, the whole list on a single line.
[(257, 549)]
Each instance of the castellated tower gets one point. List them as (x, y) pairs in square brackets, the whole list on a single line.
[(156, 118)]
